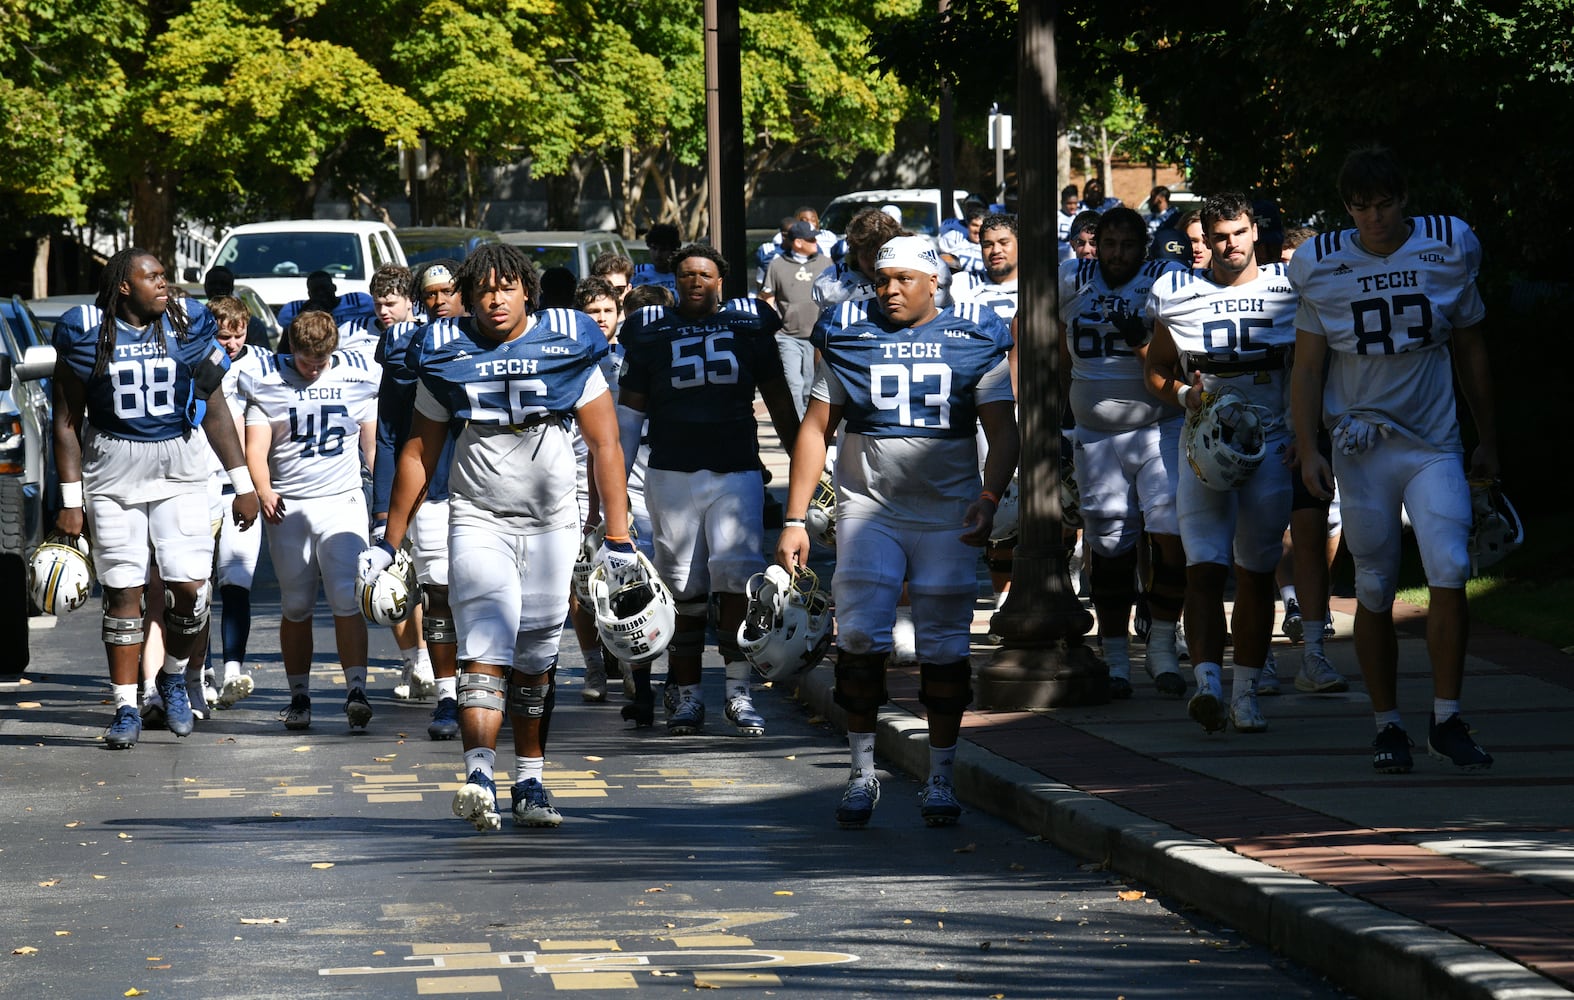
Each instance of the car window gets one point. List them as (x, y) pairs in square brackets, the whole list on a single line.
[(380, 255), (552, 256), (272, 255)]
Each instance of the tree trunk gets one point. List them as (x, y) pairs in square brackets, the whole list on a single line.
[(40, 268), (153, 212)]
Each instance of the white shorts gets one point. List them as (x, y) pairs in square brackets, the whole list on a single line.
[(176, 529), (321, 538), (235, 562), (429, 543), (1432, 487), (872, 560), (708, 528), (1126, 483), (1244, 525), (509, 592)]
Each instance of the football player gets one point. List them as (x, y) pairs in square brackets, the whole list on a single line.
[(1227, 331), (508, 382), (136, 375), (692, 370), (663, 241), (1124, 445), (1391, 306), (309, 422), (911, 381)]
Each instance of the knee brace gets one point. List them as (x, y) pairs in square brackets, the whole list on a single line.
[(122, 631), (686, 643), (1113, 578), (1167, 589), (698, 607), (192, 624), (483, 691), (531, 701), (957, 672), (864, 671), (727, 646), (438, 629)]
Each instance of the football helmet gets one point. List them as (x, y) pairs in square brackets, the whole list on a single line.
[(388, 599), (820, 520), (635, 612), (1008, 512), (786, 629), (1495, 529), (60, 575), (1224, 440)]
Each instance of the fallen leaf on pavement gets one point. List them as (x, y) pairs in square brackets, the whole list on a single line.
[(782, 892), (264, 920), (656, 889), (62, 933), (965, 849), (100, 878), (73, 824), (45, 885), (1131, 894), (322, 864), (133, 992), (301, 749), (26, 949), (123, 836), (384, 760)]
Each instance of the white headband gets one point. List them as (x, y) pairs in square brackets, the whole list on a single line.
[(914, 253)]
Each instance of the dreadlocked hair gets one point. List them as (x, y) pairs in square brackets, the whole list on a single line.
[(116, 273), (504, 260)]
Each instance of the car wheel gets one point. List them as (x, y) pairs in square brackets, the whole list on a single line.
[(13, 615)]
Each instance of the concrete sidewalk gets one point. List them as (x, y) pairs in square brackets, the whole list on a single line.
[(1437, 883)]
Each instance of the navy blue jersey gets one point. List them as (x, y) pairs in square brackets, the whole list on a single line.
[(539, 374), (698, 377), (146, 392), (352, 305), (395, 407), (911, 381)]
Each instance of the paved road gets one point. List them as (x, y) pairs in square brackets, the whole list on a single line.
[(245, 861)]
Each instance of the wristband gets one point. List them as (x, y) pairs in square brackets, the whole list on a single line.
[(240, 478), (1180, 396), (986, 495), (71, 494), (794, 522), (620, 539)]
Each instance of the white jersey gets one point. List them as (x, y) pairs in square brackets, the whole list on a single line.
[(1002, 297), (967, 252), (361, 336), (316, 448), (1238, 336), (1387, 321), (1108, 389)]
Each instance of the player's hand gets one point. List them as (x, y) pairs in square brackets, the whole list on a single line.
[(1130, 327), (976, 522), (272, 506), (1318, 475), (70, 521), (792, 548), (619, 558), (245, 508), (1484, 462), (373, 561)]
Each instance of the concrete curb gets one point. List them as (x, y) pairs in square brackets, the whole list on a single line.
[(1361, 946)]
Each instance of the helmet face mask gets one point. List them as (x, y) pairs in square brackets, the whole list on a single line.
[(60, 574), (390, 598), (820, 519), (635, 613), (1495, 529), (1224, 441), (786, 629)]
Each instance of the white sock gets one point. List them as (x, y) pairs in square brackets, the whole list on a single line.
[(355, 678), (483, 759), (408, 654), (448, 687), (942, 761), (1243, 681), (592, 656), (423, 659), (231, 669), (1203, 671), (1117, 655), (1288, 594), (526, 768), (300, 684), (1388, 718), (1312, 635), (862, 746), (125, 695), (174, 666), (689, 692), (1444, 709), (738, 672)]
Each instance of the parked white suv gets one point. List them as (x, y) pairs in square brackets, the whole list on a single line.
[(920, 207), (275, 257)]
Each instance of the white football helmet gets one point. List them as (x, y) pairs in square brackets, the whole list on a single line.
[(1496, 529), (635, 612), (390, 598), (60, 574), (786, 630), (1225, 442), (820, 520), (1008, 512)]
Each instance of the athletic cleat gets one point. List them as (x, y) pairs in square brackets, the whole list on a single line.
[(422, 684), (533, 806), (1391, 751), (595, 688), (1318, 676), (1246, 716), (401, 691), (235, 688), (670, 696), (476, 802), (177, 707), (937, 802), (1120, 688), (688, 719), (197, 697), (858, 802), (1268, 677), (1450, 742), (1328, 628), (1206, 707), (299, 714), (642, 712), (740, 712), (357, 709), (1292, 628), (445, 720), (210, 691), (1170, 684), (1182, 651), (152, 711), (124, 732)]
